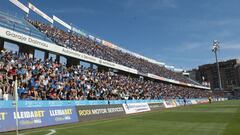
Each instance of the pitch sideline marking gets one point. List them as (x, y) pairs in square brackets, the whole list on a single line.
[(52, 131)]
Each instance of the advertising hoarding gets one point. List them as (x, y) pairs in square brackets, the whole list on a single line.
[(20, 5), (96, 112), (108, 44), (169, 103), (36, 117), (156, 106), (40, 13), (131, 108), (62, 22)]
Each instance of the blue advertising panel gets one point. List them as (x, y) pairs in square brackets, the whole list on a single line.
[(36, 117), (6, 120), (180, 102), (57, 103), (189, 101), (6, 104)]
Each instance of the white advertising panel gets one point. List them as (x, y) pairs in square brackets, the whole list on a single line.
[(194, 101), (169, 103), (39, 12), (20, 5), (79, 31), (91, 37), (62, 22), (98, 40), (136, 107)]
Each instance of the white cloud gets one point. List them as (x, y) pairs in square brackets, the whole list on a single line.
[(72, 11), (235, 46), (191, 46), (149, 5)]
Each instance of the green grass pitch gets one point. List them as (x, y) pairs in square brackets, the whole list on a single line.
[(219, 118)]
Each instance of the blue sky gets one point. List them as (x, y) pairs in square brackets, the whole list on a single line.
[(177, 32)]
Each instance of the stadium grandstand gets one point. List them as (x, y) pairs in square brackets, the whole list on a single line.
[(117, 82), (135, 76)]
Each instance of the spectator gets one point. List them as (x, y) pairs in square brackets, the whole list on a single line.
[(82, 44)]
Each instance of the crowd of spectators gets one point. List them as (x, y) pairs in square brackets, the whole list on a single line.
[(83, 44), (49, 80)]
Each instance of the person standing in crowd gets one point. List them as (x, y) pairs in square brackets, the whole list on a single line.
[(185, 101), (210, 100)]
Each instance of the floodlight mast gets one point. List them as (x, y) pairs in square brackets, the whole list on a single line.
[(215, 49)]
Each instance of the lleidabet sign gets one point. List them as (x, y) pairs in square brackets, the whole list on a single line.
[(36, 117)]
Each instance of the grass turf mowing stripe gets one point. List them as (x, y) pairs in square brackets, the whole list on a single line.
[(233, 127)]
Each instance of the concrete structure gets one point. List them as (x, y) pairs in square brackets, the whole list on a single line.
[(229, 70)]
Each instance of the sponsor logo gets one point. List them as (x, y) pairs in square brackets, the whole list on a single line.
[(60, 112), (3, 115), (169, 103), (76, 54), (30, 122), (28, 114), (113, 110), (36, 42), (84, 112), (136, 107), (17, 36), (108, 63), (89, 58), (54, 103), (155, 105), (63, 118), (26, 39), (100, 111), (33, 104)]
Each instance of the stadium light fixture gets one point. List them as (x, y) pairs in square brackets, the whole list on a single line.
[(215, 49)]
